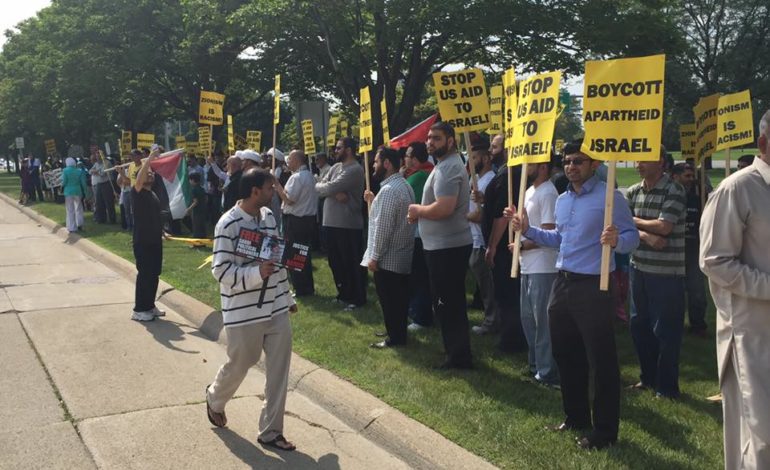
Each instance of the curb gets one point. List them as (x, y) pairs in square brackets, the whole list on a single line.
[(416, 444)]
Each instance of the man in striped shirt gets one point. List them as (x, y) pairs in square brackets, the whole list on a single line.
[(659, 207), (255, 302)]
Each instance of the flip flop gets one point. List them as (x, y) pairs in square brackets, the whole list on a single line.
[(276, 443), (211, 413)]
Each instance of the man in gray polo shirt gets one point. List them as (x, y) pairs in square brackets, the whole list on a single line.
[(343, 188), (446, 237)]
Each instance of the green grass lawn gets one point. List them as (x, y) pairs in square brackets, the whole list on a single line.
[(492, 411)]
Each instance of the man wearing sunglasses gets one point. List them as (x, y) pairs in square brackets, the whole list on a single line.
[(581, 315)]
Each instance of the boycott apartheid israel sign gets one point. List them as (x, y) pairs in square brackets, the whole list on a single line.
[(254, 140), (210, 108), (365, 122), (623, 108), (535, 119), (705, 126), (509, 116), (735, 123), (462, 99), (308, 137), (687, 140), (495, 110)]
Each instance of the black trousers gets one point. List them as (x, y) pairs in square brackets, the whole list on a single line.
[(301, 230), (507, 295), (346, 248), (392, 291), (104, 199), (446, 274), (583, 342), (149, 262)]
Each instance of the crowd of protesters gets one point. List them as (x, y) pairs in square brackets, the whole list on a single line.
[(423, 224)]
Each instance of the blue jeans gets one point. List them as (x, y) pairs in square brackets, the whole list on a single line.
[(657, 323), (535, 292)]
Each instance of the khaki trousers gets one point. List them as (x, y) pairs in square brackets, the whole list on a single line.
[(244, 349)]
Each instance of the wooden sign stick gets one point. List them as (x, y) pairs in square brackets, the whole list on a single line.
[(702, 178), (727, 163), (609, 206), (368, 182), (275, 129), (520, 211), (474, 183)]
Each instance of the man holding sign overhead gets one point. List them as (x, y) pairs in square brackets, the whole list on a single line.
[(581, 315)]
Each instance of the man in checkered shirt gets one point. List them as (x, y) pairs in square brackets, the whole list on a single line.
[(389, 245), (659, 206)]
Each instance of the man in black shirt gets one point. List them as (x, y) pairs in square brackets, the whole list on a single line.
[(148, 239), (695, 281)]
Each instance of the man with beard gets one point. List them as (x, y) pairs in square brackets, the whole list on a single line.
[(481, 159), (389, 245), (581, 315), (498, 257), (447, 241)]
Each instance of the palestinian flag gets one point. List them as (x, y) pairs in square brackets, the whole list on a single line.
[(417, 133), (172, 167)]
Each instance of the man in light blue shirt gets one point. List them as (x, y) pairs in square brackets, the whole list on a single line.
[(581, 315)]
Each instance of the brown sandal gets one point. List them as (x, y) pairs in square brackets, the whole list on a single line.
[(279, 443), (213, 415)]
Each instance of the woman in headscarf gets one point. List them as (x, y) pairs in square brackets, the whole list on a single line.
[(73, 181)]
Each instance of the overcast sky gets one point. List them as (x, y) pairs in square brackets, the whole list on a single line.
[(14, 12)]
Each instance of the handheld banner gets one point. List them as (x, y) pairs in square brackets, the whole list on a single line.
[(687, 140), (365, 122), (509, 117), (254, 140), (210, 108), (623, 108), (705, 127), (495, 110), (126, 142), (191, 147), (331, 136), (204, 139), (308, 137), (462, 99), (735, 123), (181, 142), (230, 135), (535, 119), (385, 127), (277, 101), (50, 147), (145, 141), (344, 128)]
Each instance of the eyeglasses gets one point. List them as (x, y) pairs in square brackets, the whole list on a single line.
[(575, 161)]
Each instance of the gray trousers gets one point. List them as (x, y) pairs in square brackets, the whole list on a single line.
[(483, 276), (244, 349)]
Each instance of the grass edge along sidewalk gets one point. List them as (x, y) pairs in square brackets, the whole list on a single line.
[(493, 411)]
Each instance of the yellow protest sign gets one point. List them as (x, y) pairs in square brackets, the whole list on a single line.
[(240, 142), (254, 140), (705, 127), (277, 101), (204, 139), (331, 136), (623, 108), (230, 135), (558, 145), (343, 128), (535, 119), (126, 142), (181, 142), (509, 117), (462, 99), (50, 146), (385, 126), (210, 108), (735, 123), (687, 140), (145, 141), (191, 147), (495, 110), (308, 137), (365, 122)]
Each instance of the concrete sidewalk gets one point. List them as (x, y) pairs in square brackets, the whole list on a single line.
[(86, 387)]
